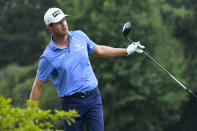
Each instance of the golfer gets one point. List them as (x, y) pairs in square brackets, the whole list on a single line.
[(66, 60)]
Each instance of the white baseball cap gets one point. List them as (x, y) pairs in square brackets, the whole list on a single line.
[(54, 15)]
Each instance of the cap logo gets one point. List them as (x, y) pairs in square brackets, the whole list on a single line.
[(56, 13)]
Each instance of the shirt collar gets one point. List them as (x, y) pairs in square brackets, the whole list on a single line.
[(55, 47)]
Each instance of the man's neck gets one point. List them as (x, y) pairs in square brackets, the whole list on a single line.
[(61, 41)]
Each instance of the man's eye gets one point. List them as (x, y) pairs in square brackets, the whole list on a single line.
[(59, 22)]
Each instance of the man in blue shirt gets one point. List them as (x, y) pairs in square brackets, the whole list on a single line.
[(66, 60)]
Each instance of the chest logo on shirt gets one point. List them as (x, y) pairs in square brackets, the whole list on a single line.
[(78, 47), (61, 56)]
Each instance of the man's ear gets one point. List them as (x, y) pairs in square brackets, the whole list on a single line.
[(49, 27)]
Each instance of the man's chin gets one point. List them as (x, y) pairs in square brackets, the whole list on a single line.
[(64, 33)]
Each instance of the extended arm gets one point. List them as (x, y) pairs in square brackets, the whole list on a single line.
[(36, 90), (106, 51)]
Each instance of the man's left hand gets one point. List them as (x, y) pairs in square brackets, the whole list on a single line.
[(135, 47)]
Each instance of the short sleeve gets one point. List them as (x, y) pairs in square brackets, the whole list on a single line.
[(44, 69), (90, 44)]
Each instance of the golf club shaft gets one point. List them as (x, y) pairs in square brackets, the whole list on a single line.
[(170, 74), (189, 91)]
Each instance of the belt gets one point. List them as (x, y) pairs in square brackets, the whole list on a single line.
[(82, 94)]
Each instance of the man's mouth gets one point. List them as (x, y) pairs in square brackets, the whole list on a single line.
[(65, 29)]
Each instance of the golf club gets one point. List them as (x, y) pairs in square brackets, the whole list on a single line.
[(126, 30)]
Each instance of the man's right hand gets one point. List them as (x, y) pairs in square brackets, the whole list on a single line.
[(135, 47)]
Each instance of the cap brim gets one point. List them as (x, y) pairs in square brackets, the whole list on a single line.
[(67, 15)]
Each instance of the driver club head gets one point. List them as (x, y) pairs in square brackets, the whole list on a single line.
[(126, 29)]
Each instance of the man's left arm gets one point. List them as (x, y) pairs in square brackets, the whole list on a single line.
[(106, 51)]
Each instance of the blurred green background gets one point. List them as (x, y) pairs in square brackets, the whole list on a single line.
[(137, 95)]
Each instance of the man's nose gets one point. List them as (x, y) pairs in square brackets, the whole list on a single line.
[(64, 23)]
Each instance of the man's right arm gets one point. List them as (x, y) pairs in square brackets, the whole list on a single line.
[(36, 90)]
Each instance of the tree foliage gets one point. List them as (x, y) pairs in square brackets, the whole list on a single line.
[(31, 118), (22, 30), (181, 16)]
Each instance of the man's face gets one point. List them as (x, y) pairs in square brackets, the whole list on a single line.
[(60, 28)]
